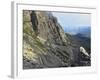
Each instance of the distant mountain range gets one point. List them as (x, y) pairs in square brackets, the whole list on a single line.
[(82, 31), (85, 32)]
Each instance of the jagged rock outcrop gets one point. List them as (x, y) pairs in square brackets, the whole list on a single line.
[(47, 28), (84, 51), (45, 43)]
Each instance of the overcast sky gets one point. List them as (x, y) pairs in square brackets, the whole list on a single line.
[(73, 20)]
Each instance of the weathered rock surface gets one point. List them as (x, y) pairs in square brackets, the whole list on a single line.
[(45, 43)]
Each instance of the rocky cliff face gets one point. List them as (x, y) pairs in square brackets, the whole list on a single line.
[(45, 43)]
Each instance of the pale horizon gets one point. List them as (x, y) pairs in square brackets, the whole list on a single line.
[(73, 21)]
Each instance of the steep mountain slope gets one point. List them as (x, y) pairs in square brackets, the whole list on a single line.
[(79, 41), (45, 43)]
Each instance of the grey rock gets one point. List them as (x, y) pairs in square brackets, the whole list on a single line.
[(45, 44)]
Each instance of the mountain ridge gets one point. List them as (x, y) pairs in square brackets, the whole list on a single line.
[(45, 44)]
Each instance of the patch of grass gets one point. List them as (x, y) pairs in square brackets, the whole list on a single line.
[(27, 28), (38, 43)]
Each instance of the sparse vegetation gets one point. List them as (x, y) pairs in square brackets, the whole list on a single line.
[(45, 43)]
